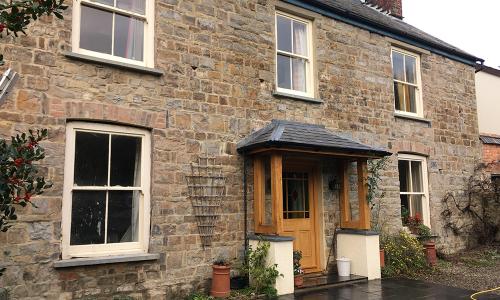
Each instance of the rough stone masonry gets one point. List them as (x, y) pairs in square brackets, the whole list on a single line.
[(218, 59)]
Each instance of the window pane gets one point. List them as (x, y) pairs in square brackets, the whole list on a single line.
[(416, 176), (410, 68), (96, 30), (405, 208), (125, 160), (107, 2), (91, 159), (416, 205), (268, 200), (404, 171), (123, 216), (299, 74), (299, 38), (399, 96), (398, 70), (284, 33), (138, 6), (88, 217), (129, 37), (284, 72), (410, 97)]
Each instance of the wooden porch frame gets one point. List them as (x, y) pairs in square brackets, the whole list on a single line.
[(363, 222)]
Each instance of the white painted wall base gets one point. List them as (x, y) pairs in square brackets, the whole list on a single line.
[(280, 253), (363, 250)]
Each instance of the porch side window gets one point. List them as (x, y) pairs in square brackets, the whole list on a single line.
[(294, 62), (120, 30), (265, 205), (407, 85), (413, 187), (106, 190)]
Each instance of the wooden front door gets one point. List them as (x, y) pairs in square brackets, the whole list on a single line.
[(299, 213)]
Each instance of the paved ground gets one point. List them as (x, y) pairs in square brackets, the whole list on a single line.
[(389, 289)]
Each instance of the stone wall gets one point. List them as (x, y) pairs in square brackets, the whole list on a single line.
[(218, 58)]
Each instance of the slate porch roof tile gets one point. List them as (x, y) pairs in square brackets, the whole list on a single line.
[(281, 133)]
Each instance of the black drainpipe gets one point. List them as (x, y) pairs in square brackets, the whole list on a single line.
[(245, 201)]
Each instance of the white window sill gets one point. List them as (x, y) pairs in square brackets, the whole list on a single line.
[(117, 64), (76, 262), (296, 97), (413, 118)]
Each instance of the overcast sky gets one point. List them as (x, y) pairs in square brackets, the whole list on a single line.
[(471, 25)]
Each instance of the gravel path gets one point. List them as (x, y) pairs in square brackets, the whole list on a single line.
[(477, 269)]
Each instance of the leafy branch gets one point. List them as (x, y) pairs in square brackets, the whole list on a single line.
[(15, 16)]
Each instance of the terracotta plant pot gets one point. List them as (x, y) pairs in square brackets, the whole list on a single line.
[(382, 258), (298, 280), (430, 253), (220, 281)]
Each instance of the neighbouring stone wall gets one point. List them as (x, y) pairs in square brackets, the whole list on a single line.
[(218, 58)]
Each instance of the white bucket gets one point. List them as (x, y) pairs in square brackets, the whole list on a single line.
[(344, 266)]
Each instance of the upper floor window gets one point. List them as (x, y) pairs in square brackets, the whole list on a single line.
[(413, 187), (294, 62), (106, 190), (407, 85), (121, 30)]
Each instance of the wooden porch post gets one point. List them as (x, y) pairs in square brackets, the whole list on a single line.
[(364, 209), (277, 190)]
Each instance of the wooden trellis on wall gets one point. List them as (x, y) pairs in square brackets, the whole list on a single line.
[(207, 190)]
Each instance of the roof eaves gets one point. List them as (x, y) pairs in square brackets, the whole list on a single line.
[(362, 22)]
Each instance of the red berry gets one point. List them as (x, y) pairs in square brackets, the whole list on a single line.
[(18, 161), (27, 197)]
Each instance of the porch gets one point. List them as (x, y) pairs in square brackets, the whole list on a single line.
[(310, 195)]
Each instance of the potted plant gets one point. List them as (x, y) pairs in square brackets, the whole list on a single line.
[(382, 257), (220, 279), (426, 238), (298, 273)]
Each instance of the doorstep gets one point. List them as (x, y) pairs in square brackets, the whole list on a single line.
[(319, 281)]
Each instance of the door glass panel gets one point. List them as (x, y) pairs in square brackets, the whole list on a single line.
[(91, 159), (268, 200), (352, 176), (88, 217), (295, 195), (125, 160), (123, 216)]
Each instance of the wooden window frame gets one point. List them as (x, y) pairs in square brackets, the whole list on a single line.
[(425, 185), (310, 90), (94, 250), (148, 42), (418, 85), (364, 211)]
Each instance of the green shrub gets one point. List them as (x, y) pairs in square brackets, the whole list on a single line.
[(404, 255), (262, 277)]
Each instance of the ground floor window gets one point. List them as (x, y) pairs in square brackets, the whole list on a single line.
[(413, 188), (106, 190)]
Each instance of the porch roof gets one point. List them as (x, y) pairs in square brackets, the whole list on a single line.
[(281, 134)]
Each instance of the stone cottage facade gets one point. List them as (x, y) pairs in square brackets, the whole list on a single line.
[(127, 117)]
